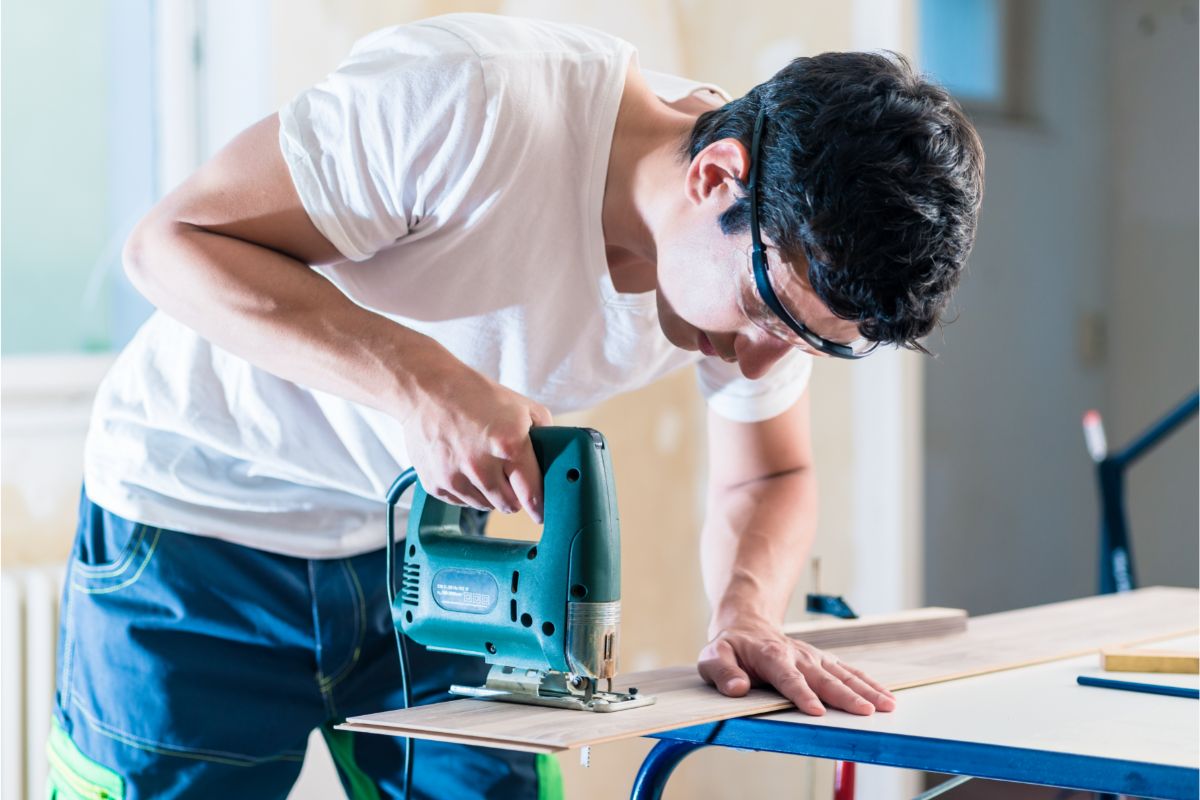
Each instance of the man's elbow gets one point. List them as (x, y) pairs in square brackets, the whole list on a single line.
[(148, 245)]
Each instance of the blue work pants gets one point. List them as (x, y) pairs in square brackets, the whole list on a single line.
[(190, 667)]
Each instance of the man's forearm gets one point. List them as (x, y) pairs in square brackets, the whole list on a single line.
[(754, 544), (282, 316), (227, 253)]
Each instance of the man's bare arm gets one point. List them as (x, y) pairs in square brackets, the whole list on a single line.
[(759, 528), (227, 253), (761, 515)]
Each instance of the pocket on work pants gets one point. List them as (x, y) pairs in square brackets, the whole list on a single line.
[(109, 556), (186, 661)]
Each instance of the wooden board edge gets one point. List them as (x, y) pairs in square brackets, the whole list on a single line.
[(911, 616), (1152, 639), (1033, 663), (456, 738), (535, 746), (780, 705)]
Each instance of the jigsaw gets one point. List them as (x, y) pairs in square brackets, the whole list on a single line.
[(544, 614)]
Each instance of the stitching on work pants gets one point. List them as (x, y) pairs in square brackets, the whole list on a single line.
[(132, 579), (121, 564), (318, 645), (202, 754), (360, 625)]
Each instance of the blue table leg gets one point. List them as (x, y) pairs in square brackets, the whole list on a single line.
[(657, 768)]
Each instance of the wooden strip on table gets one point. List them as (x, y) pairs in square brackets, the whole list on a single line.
[(916, 624), (1011, 639), (991, 643), (1179, 662)]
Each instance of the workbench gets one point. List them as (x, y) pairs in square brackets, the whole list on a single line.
[(1030, 724), (998, 700)]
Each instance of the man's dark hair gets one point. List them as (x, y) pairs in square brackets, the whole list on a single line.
[(871, 172)]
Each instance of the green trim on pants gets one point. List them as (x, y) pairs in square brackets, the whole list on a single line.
[(549, 778), (341, 747), (74, 776)]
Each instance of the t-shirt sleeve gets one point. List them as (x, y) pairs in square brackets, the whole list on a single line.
[(672, 87), (375, 147), (737, 398)]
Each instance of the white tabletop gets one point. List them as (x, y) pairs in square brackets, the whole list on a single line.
[(1042, 708)]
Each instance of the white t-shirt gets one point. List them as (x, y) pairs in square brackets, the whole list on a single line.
[(459, 166)]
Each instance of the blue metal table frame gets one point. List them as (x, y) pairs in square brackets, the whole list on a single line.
[(1088, 773)]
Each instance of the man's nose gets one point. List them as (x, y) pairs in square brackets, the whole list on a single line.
[(757, 354)]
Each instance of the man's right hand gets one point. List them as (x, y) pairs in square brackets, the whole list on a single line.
[(468, 438)]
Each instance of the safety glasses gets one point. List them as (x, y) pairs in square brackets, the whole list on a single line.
[(780, 322)]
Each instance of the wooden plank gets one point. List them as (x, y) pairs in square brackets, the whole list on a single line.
[(991, 643), (916, 624), (1179, 662), (680, 693), (1012, 639)]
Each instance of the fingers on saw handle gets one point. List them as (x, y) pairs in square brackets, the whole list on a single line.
[(492, 483), (523, 473), (462, 492)]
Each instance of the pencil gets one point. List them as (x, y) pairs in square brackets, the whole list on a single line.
[(1132, 686)]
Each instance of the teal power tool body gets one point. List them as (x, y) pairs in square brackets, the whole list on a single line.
[(545, 614)]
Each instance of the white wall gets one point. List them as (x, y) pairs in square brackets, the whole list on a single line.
[(1083, 219), (47, 402), (1153, 301)]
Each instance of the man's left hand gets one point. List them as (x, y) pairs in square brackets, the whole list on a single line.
[(757, 652)]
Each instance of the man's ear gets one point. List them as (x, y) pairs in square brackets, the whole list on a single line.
[(717, 172)]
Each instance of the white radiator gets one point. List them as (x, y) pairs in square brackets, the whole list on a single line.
[(29, 629)]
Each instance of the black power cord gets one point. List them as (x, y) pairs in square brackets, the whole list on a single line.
[(406, 479)]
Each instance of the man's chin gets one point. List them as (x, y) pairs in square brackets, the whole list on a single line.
[(684, 340), (678, 332)]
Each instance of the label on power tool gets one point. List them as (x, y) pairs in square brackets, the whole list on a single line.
[(471, 591)]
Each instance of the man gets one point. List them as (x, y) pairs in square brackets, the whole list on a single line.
[(475, 223)]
